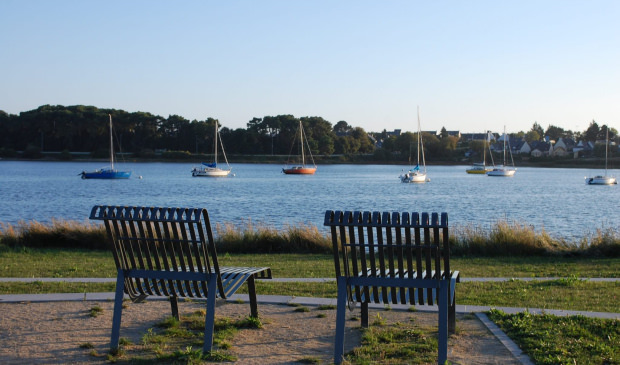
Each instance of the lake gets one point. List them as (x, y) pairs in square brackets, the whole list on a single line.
[(556, 200)]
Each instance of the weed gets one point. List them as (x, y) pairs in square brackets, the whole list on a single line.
[(95, 311), (324, 307), (309, 360), (87, 345), (302, 309), (321, 315)]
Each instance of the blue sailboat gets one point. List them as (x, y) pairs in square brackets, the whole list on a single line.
[(108, 172)]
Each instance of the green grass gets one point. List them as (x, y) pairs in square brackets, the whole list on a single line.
[(549, 339), (565, 294), (399, 343), (72, 263), (180, 342)]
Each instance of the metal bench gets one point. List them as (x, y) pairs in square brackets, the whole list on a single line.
[(170, 252), (392, 258)]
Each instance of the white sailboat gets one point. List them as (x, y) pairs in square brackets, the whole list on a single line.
[(211, 169), (417, 174), (603, 179), (504, 170)]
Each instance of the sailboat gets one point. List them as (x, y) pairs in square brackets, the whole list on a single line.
[(603, 179), (107, 172), (504, 170), (301, 169), (481, 167), (417, 175), (211, 169)]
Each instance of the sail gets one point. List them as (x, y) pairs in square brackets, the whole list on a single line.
[(211, 164)]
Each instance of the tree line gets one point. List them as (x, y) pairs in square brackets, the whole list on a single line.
[(81, 128)]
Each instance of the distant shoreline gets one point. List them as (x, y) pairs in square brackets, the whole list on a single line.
[(585, 163)]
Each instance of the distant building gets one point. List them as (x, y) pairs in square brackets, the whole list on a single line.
[(563, 147), (541, 149)]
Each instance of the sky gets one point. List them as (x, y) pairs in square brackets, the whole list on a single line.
[(468, 65)]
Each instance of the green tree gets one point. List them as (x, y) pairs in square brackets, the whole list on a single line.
[(591, 134), (532, 136)]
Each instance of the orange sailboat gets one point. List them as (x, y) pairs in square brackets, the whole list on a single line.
[(301, 169)]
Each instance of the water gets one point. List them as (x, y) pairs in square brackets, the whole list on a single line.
[(556, 200)]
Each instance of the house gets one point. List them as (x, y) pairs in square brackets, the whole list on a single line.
[(583, 148), (541, 149), (523, 148), (563, 147)]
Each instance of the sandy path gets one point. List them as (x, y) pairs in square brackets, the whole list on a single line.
[(51, 333)]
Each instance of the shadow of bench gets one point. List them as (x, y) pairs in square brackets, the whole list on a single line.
[(392, 258), (170, 252)]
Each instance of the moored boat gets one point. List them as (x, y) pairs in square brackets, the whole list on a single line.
[(504, 170), (108, 172), (211, 169), (301, 168), (415, 174), (603, 179)]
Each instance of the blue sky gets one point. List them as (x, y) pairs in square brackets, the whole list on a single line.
[(468, 65)]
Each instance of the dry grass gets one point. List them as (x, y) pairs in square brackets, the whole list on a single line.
[(502, 239)]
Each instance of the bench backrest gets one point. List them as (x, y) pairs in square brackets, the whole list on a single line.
[(393, 257), (164, 240)]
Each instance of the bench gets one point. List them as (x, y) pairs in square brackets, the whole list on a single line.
[(392, 258), (170, 252)]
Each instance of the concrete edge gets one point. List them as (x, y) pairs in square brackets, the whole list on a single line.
[(510, 345)]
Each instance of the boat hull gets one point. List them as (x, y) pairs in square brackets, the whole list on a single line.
[(412, 177), (299, 170), (106, 174), (501, 172), (477, 171), (210, 172), (601, 180)]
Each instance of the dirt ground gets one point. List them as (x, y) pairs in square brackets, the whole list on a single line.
[(51, 333)]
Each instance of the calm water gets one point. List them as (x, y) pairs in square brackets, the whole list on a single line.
[(556, 199)]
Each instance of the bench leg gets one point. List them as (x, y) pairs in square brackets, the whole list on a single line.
[(364, 306), (340, 320), (442, 343), (452, 318), (174, 306), (118, 310), (252, 295), (210, 317)]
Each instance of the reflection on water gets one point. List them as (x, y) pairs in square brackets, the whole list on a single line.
[(556, 200)]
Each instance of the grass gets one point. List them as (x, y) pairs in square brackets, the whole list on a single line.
[(565, 294), (174, 341), (399, 343), (549, 339), (73, 263), (502, 238)]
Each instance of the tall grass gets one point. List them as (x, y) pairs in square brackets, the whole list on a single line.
[(57, 234), (502, 239), (261, 239), (517, 239)]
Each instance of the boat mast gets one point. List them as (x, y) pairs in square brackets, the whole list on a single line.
[(420, 144), (111, 145), (504, 146), (215, 160), (606, 147), (301, 144)]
